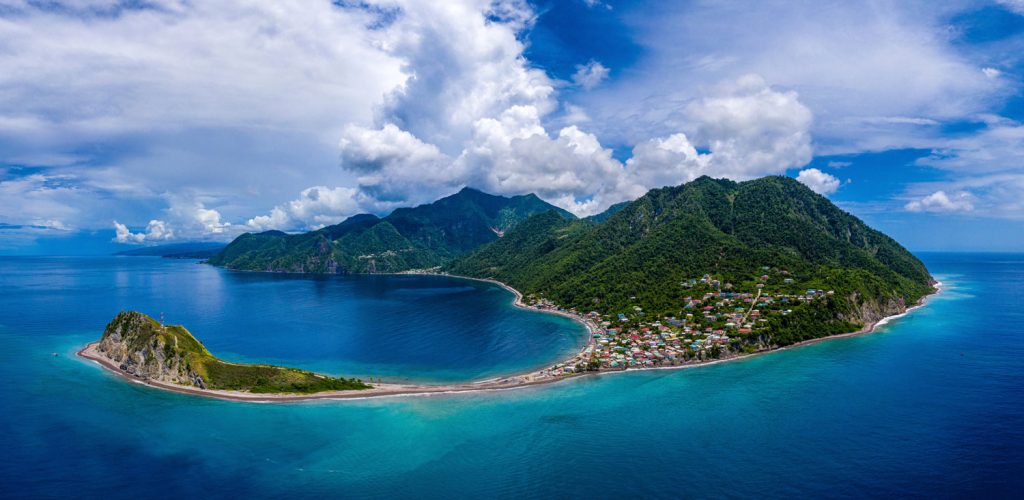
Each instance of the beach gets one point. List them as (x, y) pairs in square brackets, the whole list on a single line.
[(529, 379)]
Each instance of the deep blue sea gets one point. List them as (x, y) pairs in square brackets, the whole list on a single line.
[(930, 406)]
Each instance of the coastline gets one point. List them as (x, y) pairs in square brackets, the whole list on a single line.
[(510, 382)]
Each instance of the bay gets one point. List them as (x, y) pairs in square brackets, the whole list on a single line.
[(931, 405)]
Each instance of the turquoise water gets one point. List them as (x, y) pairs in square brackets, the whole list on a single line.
[(932, 405)]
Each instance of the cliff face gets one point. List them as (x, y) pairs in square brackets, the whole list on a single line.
[(143, 348), (869, 312), (140, 346)]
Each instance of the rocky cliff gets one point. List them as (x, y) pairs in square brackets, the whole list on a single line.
[(140, 346), (144, 348)]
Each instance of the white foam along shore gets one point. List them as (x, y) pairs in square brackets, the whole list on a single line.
[(529, 379)]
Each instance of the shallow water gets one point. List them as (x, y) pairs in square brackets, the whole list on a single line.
[(931, 405)]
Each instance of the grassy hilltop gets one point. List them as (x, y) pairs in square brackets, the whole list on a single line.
[(142, 347)]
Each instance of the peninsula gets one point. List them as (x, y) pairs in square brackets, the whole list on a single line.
[(707, 271), (137, 346)]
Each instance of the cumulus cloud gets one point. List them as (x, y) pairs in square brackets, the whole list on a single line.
[(939, 201), (434, 96), (514, 154), (902, 60), (819, 182), (466, 62), (315, 208), (156, 230), (752, 129), (667, 161), (748, 129), (393, 167), (210, 221), (996, 195), (590, 75)]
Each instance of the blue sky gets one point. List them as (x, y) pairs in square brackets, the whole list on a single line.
[(138, 123)]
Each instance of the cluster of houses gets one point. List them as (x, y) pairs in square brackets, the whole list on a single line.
[(718, 323)]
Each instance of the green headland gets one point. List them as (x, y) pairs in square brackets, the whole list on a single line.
[(140, 346)]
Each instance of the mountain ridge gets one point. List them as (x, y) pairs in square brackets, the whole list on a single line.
[(420, 237)]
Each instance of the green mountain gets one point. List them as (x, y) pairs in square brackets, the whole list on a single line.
[(409, 238), (612, 210), (773, 232), (140, 346)]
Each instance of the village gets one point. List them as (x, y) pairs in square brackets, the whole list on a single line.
[(716, 321)]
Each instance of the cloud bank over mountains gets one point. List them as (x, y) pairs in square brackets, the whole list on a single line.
[(203, 120)]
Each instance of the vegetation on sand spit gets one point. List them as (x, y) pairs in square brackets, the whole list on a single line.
[(142, 347)]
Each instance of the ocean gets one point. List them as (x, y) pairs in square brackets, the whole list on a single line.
[(932, 405)]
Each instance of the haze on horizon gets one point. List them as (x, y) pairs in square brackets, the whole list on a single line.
[(140, 123)]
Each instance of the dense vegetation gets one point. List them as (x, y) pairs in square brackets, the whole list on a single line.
[(409, 238), (171, 352), (639, 255), (634, 255)]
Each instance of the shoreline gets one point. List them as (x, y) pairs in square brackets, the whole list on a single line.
[(502, 383)]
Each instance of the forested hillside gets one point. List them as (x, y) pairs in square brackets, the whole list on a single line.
[(734, 232), (409, 238)]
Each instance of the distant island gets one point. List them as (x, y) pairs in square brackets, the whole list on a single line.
[(193, 250), (707, 271)]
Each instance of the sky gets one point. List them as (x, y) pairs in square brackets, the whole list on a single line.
[(129, 123)]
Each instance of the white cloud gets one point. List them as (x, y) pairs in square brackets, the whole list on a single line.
[(36, 197), (597, 3), (210, 220), (514, 154), (997, 147), (590, 75), (315, 208), (902, 60), (463, 66), (839, 164), (898, 120), (996, 195), (1016, 6), (153, 68), (749, 129), (991, 72), (393, 167), (54, 224), (437, 95), (819, 182), (156, 230), (939, 201), (177, 96), (668, 161)]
